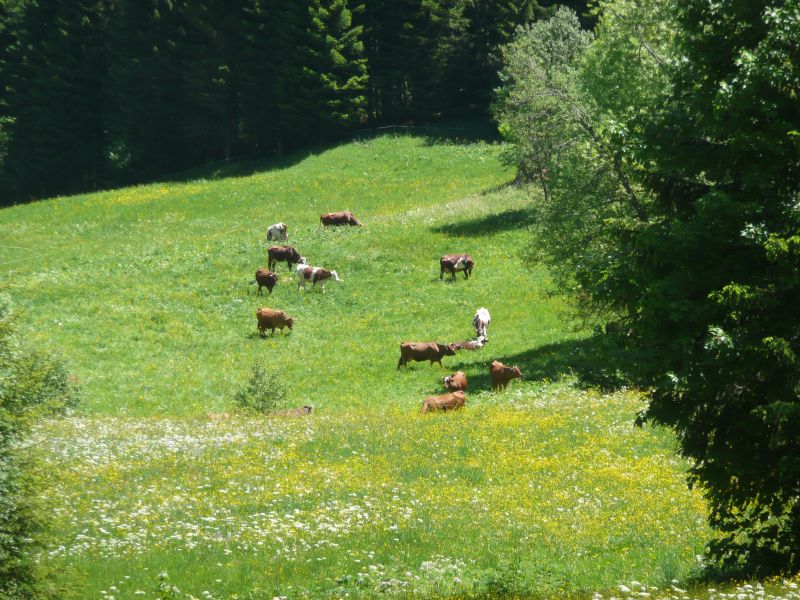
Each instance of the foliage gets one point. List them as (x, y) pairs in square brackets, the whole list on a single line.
[(264, 391), (687, 237), (32, 384)]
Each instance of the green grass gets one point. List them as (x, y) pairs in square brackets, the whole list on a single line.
[(145, 290), (542, 489)]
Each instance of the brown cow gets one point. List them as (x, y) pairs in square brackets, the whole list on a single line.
[(272, 319), (455, 382), (501, 374), (445, 402), (456, 262), (344, 217), (421, 351), (265, 278), (281, 253), (293, 412)]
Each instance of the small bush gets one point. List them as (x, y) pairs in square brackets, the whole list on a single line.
[(263, 392), (33, 384)]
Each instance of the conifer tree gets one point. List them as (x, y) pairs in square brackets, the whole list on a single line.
[(57, 98)]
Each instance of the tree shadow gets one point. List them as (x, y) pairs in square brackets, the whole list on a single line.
[(508, 220), (597, 362)]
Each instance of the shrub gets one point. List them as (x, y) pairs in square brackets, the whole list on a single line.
[(263, 392), (32, 384)]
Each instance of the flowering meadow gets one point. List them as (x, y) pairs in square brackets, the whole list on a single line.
[(546, 489)]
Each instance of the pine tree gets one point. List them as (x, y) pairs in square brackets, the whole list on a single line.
[(57, 98), (320, 84)]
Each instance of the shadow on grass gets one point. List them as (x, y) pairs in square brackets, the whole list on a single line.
[(508, 220), (457, 131), (595, 361)]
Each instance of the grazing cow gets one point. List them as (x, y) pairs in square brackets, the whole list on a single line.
[(456, 262), (480, 322), (501, 374), (281, 253), (277, 232), (455, 382), (265, 278), (469, 345), (314, 275), (344, 217), (293, 412), (432, 351), (445, 402), (272, 319)]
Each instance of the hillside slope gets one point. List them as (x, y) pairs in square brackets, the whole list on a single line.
[(145, 290)]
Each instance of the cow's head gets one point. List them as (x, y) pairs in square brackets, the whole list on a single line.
[(446, 381), (307, 409), (290, 323), (335, 276), (448, 350), (516, 372), (301, 260), (481, 341)]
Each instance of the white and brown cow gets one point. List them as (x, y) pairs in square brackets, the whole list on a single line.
[(277, 232), (314, 275), (451, 263), (480, 322)]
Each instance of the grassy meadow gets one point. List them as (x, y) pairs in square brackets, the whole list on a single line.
[(541, 490)]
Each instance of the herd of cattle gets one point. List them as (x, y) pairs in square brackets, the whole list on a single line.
[(456, 384)]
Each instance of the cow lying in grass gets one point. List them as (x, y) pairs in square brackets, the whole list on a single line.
[(456, 262), (315, 275), (272, 319), (445, 402), (277, 254), (456, 382), (421, 351), (265, 278), (344, 217), (500, 374), (469, 345)]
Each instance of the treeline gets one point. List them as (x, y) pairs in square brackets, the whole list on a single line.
[(99, 92)]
